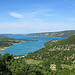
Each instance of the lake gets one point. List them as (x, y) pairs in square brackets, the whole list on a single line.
[(27, 47)]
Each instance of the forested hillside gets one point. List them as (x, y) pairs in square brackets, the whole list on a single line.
[(60, 53)]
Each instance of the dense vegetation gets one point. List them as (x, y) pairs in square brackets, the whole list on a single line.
[(60, 53), (63, 34), (11, 66), (57, 58)]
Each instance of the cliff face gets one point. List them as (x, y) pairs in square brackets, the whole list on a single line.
[(63, 34)]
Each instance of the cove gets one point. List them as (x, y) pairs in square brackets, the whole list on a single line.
[(27, 47)]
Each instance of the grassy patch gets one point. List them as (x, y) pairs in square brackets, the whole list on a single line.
[(31, 61)]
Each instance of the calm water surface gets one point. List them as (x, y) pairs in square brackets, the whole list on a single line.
[(27, 47)]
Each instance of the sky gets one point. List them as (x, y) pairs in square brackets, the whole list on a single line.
[(34, 16)]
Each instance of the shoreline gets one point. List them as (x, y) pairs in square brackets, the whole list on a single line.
[(12, 45), (3, 48)]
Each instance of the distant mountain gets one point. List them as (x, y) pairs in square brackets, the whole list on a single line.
[(63, 34), (12, 34)]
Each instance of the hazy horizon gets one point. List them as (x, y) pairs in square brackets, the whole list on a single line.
[(32, 32), (30, 16)]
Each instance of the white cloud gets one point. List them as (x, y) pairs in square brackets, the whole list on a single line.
[(13, 25), (16, 15), (40, 13)]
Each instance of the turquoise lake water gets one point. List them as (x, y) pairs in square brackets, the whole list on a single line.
[(27, 47)]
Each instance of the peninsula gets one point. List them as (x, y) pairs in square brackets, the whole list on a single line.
[(6, 42)]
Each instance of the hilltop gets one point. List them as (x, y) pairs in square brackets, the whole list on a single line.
[(63, 34)]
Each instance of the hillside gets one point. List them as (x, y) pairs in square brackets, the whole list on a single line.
[(57, 58), (60, 53), (55, 48), (63, 34)]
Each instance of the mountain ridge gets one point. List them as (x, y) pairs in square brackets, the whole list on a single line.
[(62, 34)]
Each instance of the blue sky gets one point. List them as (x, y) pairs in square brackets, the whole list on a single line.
[(33, 16)]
